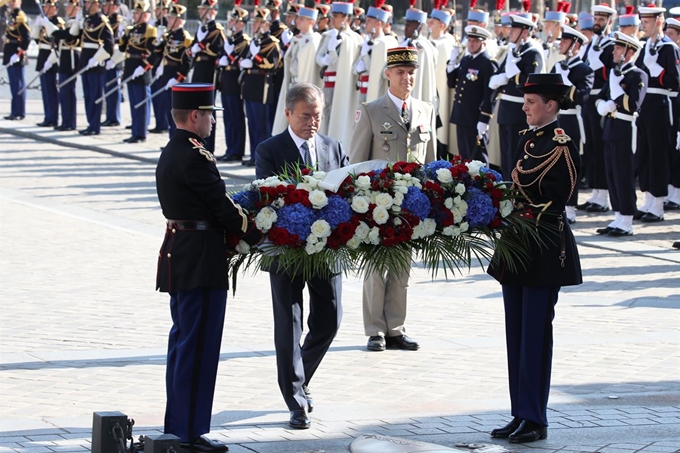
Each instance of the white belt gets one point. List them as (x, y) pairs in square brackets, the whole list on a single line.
[(595, 91), (631, 119), (363, 84), (329, 78), (579, 118), (509, 98), (91, 45), (665, 92), (42, 45)]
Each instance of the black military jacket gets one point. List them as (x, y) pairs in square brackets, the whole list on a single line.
[(582, 78), (212, 48), (634, 85), (531, 61), (230, 73), (96, 33), (176, 56), (473, 95), (606, 57), (190, 188), (17, 36), (546, 173), (257, 82), (69, 49), (138, 45), (44, 41)]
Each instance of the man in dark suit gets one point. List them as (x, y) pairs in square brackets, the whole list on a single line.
[(192, 264), (301, 144)]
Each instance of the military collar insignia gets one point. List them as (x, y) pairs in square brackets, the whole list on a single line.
[(201, 149)]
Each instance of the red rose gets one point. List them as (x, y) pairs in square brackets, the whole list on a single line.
[(345, 231), (447, 217), (279, 236)]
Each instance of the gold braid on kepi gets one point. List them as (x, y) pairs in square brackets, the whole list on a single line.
[(402, 56), (176, 10), (141, 5)]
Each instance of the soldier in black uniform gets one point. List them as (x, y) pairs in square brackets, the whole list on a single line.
[(97, 42), (161, 24), (193, 263), (113, 100), (17, 39), (138, 45), (176, 60), (619, 101), (235, 48), (280, 31), (471, 109), (523, 59), (598, 55), (660, 58), (257, 80), (545, 175), (48, 59), (206, 50), (579, 76), (69, 59)]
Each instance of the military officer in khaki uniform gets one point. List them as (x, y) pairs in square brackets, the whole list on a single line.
[(394, 127)]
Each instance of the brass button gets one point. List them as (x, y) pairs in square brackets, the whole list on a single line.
[(174, 231), (462, 89), (169, 256), (464, 82), (531, 145), (526, 157)]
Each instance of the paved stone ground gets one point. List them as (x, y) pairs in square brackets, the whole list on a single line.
[(83, 330)]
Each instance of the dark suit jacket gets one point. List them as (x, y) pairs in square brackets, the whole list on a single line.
[(278, 151), (473, 104)]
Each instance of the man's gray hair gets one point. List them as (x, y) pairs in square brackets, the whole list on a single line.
[(305, 92)]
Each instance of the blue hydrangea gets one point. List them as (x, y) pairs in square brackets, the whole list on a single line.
[(416, 202), (488, 171), (247, 199), (480, 211), (337, 211), (432, 167), (296, 219)]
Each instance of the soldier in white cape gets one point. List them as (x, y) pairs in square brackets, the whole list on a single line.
[(299, 62)]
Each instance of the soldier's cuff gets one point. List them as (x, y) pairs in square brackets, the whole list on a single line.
[(485, 117)]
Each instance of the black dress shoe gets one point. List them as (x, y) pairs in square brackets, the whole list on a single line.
[(376, 343), (671, 206), (528, 431), (583, 205), (87, 132), (594, 207), (249, 163), (205, 445), (135, 139), (618, 232), (310, 400), (402, 342), (676, 245), (649, 218), (638, 214), (15, 117), (604, 230), (64, 128), (46, 124), (504, 432), (299, 419), (230, 158), (128, 127), (108, 123), (155, 130)]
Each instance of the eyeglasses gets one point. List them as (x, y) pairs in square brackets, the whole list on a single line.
[(308, 118)]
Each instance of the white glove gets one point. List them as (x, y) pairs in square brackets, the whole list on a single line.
[(38, 22), (159, 71), (511, 46), (195, 49), (451, 66), (201, 33), (327, 60), (74, 29), (606, 107), (160, 31), (139, 71), (455, 53), (360, 66), (92, 62), (110, 64), (677, 141), (246, 63), (651, 61), (365, 48), (14, 59), (171, 83), (47, 66), (223, 61), (228, 47), (497, 81), (482, 128), (564, 73), (286, 36), (79, 16), (511, 69), (254, 48), (333, 41)]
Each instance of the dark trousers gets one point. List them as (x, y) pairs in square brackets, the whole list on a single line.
[(529, 312), (674, 159), (234, 124), (165, 106), (50, 96), (653, 144), (140, 115), (618, 157), (160, 110), (193, 356), (594, 147), (114, 99), (258, 126), (17, 80), (93, 89), (508, 136), (67, 101), (295, 364), (467, 140)]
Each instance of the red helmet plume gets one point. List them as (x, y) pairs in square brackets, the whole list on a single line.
[(630, 9), (473, 3), (566, 7), (526, 4), (412, 3), (237, 2), (379, 3)]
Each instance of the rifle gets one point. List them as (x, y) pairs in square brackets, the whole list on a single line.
[(153, 95), (113, 90), (42, 71)]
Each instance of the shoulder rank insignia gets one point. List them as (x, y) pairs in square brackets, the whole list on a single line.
[(201, 149), (560, 137)]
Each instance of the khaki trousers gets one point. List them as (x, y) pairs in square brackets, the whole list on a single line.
[(384, 302)]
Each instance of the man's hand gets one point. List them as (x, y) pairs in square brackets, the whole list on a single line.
[(159, 71), (14, 59), (92, 62), (254, 48), (511, 68), (139, 71), (497, 81), (195, 49), (171, 83), (482, 129)]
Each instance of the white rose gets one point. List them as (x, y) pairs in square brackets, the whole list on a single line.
[(417, 184), (506, 208), (360, 205), (430, 226), (265, 218), (444, 175), (418, 231), (242, 247), (362, 230), (400, 189), (474, 166), (363, 182), (398, 198), (457, 215), (380, 215), (319, 175), (304, 186), (310, 249), (460, 189), (278, 203), (273, 181), (398, 176), (374, 236), (464, 227), (384, 200), (463, 206), (448, 203), (311, 180), (319, 246), (397, 221), (318, 199), (408, 176), (451, 231), (354, 243), (321, 229)]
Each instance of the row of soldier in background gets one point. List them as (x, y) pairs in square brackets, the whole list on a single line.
[(473, 83)]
